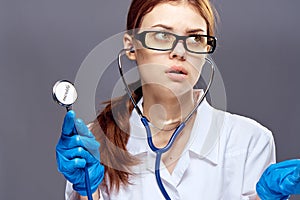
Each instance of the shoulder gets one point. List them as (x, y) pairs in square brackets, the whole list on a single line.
[(242, 125), (243, 132)]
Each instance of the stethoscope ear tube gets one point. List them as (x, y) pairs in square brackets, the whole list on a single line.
[(179, 128), (206, 91), (125, 83)]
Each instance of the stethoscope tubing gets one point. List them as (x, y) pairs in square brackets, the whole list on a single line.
[(145, 121), (87, 183), (86, 171), (159, 152)]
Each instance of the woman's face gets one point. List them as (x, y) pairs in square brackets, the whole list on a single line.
[(177, 70)]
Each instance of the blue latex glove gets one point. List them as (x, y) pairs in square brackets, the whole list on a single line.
[(279, 181), (76, 149)]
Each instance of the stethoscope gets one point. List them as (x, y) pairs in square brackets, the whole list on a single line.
[(65, 94), (145, 121)]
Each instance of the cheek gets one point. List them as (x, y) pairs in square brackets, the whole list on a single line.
[(196, 64), (150, 64), (145, 57), (151, 73)]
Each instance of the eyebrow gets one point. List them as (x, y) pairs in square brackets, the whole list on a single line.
[(195, 30), (170, 28), (162, 26)]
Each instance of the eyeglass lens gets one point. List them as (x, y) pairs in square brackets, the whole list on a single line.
[(166, 41)]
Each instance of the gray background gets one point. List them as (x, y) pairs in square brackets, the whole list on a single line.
[(44, 41)]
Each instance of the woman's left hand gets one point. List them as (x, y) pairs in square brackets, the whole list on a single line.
[(280, 180)]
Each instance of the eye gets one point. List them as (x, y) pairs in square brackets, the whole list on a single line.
[(197, 38), (162, 36)]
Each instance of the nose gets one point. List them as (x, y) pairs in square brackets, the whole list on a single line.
[(178, 51)]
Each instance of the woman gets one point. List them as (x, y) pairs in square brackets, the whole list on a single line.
[(217, 156)]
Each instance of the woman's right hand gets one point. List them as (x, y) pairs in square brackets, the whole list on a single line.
[(77, 148)]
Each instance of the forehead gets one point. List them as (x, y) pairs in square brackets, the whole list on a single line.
[(180, 16)]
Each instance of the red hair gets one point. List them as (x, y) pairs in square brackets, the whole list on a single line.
[(139, 8)]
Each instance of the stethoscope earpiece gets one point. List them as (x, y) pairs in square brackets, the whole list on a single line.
[(132, 50)]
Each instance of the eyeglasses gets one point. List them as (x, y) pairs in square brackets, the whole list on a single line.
[(165, 41)]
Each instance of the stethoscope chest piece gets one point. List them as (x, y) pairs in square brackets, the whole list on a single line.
[(64, 93)]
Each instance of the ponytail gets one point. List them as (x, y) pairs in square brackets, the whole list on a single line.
[(111, 129)]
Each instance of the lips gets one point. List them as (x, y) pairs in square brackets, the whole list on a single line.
[(177, 70), (177, 73)]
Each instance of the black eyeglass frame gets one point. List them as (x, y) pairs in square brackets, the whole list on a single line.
[(211, 41)]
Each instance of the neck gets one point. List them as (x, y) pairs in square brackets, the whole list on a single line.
[(164, 109)]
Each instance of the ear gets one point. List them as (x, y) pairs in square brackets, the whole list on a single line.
[(128, 44)]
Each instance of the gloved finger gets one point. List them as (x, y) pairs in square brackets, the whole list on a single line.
[(91, 144), (87, 138), (286, 175), (267, 184), (67, 166), (78, 152), (280, 179), (263, 193), (68, 124), (295, 177), (69, 142), (82, 129), (291, 182), (263, 189), (75, 141), (285, 164)]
